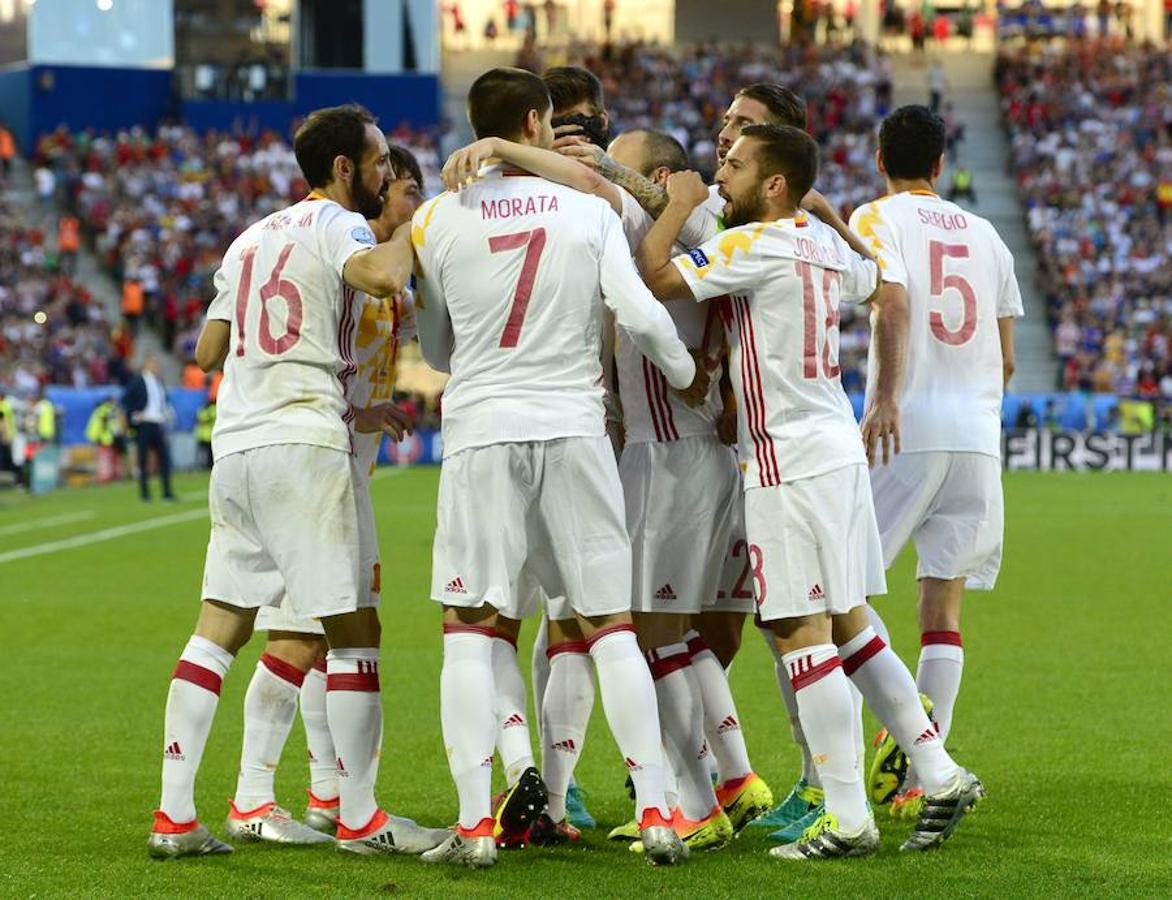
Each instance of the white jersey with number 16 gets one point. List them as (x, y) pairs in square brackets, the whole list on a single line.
[(292, 328), (959, 277)]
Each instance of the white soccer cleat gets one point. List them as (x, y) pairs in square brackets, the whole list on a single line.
[(825, 840), (458, 850), (389, 834), (272, 824)]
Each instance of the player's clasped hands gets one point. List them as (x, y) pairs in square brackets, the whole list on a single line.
[(686, 187), (385, 417)]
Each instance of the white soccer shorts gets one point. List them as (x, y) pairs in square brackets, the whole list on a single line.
[(736, 579), (282, 618), (682, 501), (951, 505), (814, 545), (550, 509), (285, 525)]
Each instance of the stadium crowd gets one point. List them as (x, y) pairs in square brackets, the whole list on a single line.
[(847, 89), (51, 331), (1091, 131), (164, 206)]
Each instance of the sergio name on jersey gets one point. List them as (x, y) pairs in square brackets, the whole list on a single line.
[(785, 280), (959, 278), (280, 287)]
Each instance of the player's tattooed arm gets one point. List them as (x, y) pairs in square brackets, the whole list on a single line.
[(890, 319), (651, 196), (685, 192)]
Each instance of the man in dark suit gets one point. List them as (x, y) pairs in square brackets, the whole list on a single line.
[(145, 402)]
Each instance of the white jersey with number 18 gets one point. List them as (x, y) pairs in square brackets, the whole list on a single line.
[(513, 272), (959, 278), (785, 280), (292, 324)]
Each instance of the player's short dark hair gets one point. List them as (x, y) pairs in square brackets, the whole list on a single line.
[(404, 163), (786, 107), (664, 150), (789, 151), (326, 134), (570, 85), (500, 99), (911, 141)]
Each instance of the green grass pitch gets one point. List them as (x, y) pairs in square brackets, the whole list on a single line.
[(1064, 713)]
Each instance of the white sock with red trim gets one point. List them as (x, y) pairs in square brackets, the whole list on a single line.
[(826, 710), (270, 706), (628, 699), (323, 758), (565, 713), (512, 740), (892, 696), (938, 675), (191, 706), (467, 690), (355, 715), (786, 688), (722, 724), (680, 717)]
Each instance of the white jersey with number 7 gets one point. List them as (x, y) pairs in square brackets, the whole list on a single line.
[(513, 271), (292, 320), (959, 277)]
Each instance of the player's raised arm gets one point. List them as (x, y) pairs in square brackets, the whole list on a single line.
[(463, 165), (818, 205), (686, 192)]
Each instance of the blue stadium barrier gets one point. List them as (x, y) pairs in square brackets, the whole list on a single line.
[(1074, 412)]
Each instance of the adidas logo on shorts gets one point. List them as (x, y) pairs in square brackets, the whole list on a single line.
[(816, 593), (665, 593), (455, 586)]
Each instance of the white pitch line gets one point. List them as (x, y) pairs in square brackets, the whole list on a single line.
[(50, 522), (106, 534)]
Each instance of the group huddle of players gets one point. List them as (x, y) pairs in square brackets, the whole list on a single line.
[(611, 326)]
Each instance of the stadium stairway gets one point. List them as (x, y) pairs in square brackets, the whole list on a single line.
[(101, 284), (986, 151)]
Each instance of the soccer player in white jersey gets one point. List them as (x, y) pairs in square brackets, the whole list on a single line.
[(280, 324), (943, 491), (682, 492), (813, 541), (292, 666), (513, 273)]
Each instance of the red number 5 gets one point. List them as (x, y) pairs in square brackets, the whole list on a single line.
[(534, 243), (941, 282), (276, 286)]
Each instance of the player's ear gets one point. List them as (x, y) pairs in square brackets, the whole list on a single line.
[(532, 123), (776, 187), (879, 163), (660, 175), (343, 168), (938, 167)]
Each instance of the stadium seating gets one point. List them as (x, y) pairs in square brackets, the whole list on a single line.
[(1090, 150), (51, 333)]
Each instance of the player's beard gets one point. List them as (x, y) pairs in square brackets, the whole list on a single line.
[(743, 210), (366, 202)]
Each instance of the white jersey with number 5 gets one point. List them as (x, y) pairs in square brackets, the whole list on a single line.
[(292, 329), (513, 270), (959, 277), (785, 280)]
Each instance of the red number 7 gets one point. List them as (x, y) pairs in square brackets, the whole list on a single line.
[(534, 243)]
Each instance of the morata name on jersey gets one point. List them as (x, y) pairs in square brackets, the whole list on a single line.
[(507, 207)]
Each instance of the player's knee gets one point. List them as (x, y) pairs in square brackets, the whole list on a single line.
[(299, 650)]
